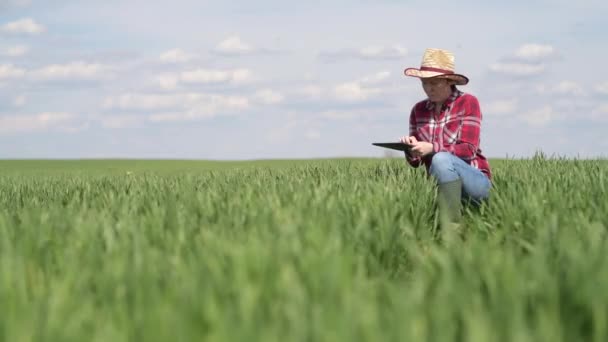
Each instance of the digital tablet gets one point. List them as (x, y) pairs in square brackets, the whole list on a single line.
[(394, 146)]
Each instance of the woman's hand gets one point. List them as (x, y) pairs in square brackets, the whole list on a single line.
[(421, 148), (411, 140)]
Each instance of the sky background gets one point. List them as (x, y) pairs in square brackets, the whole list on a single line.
[(291, 79)]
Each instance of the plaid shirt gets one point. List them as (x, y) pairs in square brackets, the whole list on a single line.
[(456, 130)]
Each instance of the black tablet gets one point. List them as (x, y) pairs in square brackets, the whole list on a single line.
[(394, 145)]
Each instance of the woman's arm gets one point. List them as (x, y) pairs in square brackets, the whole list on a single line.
[(414, 161)]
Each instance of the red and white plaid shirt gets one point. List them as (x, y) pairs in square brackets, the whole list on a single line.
[(456, 130)]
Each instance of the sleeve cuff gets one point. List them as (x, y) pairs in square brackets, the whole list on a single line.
[(436, 147)]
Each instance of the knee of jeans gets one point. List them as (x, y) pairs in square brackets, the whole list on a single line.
[(441, 161), (442, 167)]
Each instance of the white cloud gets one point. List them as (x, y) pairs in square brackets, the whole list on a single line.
[(310, 91), (37, 122), (528, 60), (600, 113), (569, 88), (361, 89), (233, 46), (517, 69), (177, 107), (312, 134), (15, 51), (573, 107), (241, 76), (19, 101), (540, 116), (353, 91), (348, 114), (167, 81), (534, 51), (602, 88), (17, 3), (58, 72), (373, 52), (23, 26), (562, 88), (176, 56), (120, 121), (376, 78), (151, 101), (205, 76), (71, 71), (542, 88), (339, 114), (200, 112), (178, 116), (269, 97), (382, 52), (170, 81), (603, 108), (500, 107), (8, 71)]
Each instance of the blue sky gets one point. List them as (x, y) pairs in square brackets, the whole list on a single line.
[(291, 79)]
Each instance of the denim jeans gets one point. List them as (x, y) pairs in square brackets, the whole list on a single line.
[(446, 167)]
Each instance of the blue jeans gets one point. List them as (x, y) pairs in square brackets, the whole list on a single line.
[(446, 167)]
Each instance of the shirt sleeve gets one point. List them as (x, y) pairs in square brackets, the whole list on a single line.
[(413, 161), (467, 145)]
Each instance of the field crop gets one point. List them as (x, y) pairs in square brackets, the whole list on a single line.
[(320, 250)]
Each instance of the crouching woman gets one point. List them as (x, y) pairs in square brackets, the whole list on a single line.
[(444, 131)]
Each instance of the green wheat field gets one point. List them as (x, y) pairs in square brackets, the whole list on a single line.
[(307, 250)]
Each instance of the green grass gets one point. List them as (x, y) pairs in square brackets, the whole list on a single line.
[(329, 250)]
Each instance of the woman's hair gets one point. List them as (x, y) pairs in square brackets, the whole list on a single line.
[(447, 77)]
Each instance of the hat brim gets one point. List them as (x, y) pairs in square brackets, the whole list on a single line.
[(458, 78)]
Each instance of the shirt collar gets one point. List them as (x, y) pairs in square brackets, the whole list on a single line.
[(455, 94)]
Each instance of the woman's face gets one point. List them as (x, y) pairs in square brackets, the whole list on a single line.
[(437, 89)]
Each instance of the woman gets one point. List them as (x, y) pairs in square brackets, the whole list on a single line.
[(444, 135)]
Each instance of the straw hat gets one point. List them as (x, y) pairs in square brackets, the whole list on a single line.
[(437, 62)]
